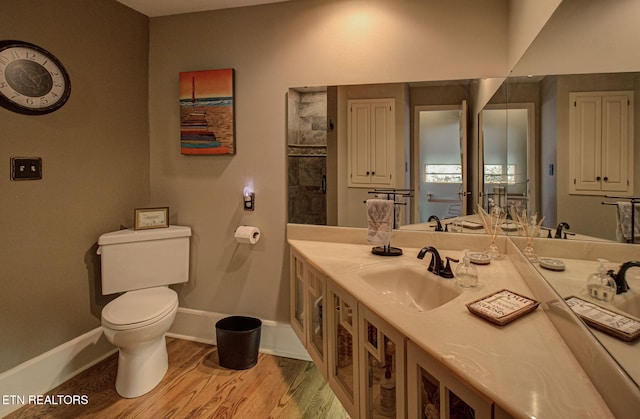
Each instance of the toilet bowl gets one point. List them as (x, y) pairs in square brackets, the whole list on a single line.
[(136, 322)]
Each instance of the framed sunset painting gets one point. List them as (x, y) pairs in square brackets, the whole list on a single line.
[(207, 117)]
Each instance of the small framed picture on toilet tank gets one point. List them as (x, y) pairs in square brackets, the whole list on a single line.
[(145, 218)]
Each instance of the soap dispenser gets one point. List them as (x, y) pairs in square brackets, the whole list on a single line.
[(466, 274), (600, 285)]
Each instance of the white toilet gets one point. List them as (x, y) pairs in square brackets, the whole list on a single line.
[(141, 263)]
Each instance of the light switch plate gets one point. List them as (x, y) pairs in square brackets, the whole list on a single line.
[(26, 168)]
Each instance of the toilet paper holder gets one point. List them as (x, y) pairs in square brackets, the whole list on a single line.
[(247, 234)]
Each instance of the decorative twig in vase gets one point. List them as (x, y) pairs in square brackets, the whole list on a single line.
[(529, 228), (493, 226)]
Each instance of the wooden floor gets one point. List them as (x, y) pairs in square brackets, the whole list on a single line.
[(195, 386)]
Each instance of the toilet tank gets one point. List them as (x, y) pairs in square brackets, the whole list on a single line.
[(136, 259)]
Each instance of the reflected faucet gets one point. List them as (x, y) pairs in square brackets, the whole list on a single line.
[(559, 229), (620, 277), (438, 223), (436, 265)]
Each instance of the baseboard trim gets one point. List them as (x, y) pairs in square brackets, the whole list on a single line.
[(47, 371), (276, 338)]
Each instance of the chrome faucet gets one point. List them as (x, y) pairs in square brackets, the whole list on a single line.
[(436, 265), (559, 230), (437, 220), (620, 277)]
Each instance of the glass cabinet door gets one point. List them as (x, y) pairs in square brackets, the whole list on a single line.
[(343, 362), (297, 300), (433, 392), (316, 321), (382, 362)]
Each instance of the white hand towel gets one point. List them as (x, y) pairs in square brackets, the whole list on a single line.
[(380, 220), (623, 230)]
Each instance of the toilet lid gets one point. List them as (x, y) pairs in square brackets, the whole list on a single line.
[(139, 308)]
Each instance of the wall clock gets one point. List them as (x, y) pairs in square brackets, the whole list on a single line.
[(32, 80)]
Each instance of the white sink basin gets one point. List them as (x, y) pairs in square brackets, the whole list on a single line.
[(408, 284)]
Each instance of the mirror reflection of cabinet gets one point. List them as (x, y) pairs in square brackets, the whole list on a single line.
[(433, 392), (601, 142), (308, 288), (371, 139), (382, 376), (342, 358)]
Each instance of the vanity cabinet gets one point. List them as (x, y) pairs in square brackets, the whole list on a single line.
[(308, 290), (371, 367), (433, 392), (382, 371), (601, 143), (371, 142)]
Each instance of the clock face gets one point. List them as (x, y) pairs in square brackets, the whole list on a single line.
[(32, 80)]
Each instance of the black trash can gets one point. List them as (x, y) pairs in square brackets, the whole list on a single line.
[(238, 340)]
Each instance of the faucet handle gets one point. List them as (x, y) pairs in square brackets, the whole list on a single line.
[(446, 272)]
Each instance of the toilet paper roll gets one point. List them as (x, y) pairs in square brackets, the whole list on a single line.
[(247, 234)]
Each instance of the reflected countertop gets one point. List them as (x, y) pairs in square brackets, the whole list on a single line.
[(573, 282)]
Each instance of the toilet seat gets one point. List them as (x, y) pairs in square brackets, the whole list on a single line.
[(139, 308)]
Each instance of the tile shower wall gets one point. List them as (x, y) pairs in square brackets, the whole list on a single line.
[(307, 149)]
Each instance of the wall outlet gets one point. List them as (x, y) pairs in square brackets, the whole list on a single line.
[(26, 168)]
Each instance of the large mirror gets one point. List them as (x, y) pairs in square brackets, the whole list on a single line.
[(424, 154), (522, 159)]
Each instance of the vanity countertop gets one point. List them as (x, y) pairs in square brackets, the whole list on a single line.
[(524, 366)]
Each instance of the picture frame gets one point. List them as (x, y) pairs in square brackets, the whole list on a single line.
[(207, 112), (148, 218)]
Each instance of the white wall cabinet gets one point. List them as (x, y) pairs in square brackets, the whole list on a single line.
[(601, 143), (371, 142)]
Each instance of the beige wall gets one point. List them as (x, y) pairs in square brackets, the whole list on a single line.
[(272, 48), (95, 169)]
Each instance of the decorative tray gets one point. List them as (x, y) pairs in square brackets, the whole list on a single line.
[(502, 307), (607, 321)]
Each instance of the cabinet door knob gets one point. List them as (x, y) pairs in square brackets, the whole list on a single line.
[(373, 173), (598, 178), (606, 179)]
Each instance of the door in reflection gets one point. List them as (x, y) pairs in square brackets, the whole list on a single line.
[(508, 145), (441, 169)]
